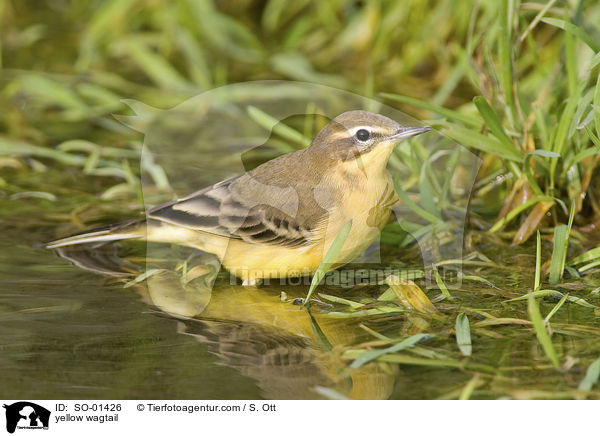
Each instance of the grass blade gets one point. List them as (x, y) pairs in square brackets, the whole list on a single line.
[(538, 263), (410, 294), (334, 299), (589, 255), (492, 121), (540, 329), (463, 334), (470, 387), (273, 125), (555, 308), (505, 59), (414, 206), (591, 376), (561, 245), (534, 311), (516, 211), (491, 145), (574, 30), (555, 294), (374, 354), (318, 332), (448, 113), (559, 253), (527, 167), (329, 259)]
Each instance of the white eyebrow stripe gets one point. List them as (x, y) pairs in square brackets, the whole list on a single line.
[(352, 131)]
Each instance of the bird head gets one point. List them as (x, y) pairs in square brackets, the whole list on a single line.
[(362, 135)]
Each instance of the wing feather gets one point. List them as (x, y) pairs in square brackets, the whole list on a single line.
[(221, 210)]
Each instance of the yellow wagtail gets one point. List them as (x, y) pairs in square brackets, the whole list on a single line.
[(279, 219)]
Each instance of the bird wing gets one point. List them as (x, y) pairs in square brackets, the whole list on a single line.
[(241, 208)]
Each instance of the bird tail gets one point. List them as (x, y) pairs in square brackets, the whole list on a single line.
[(116, 232)]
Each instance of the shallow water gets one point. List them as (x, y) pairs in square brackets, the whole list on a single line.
[(69, 333), (72, 333)]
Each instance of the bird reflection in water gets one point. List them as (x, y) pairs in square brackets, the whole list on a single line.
[(291, 352)]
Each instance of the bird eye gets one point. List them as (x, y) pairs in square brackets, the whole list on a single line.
[(363, 135)]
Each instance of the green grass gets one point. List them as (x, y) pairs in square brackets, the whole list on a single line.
[(516, 83)]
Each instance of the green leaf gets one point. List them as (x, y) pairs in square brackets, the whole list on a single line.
[(476, 140), (591, 376), (329, 259), (567, 118), (556, 294), (273, 125), (413, 206), (492, 121), (505, 57), (463, 335), (516, 211), (527, 167), (589, 255), (545, 153), (540, 329), (158, 68), (555, 308), (143, 276), (334, 299), (559, 252), (574, 30), (597, 105), (448, 113), (441, 284), (318, 332), (538, 263), (374, 354), (595, 61)]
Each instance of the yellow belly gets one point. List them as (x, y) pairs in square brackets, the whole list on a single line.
[(259, 261), (369, 212)]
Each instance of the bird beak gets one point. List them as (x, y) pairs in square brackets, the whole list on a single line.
[(407, 132)]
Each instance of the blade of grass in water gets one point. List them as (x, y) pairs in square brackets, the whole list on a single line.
[(441, 284), (540, 330), (318, 332), (591, 376), (463, 335), (555, 294), (555, 308), (470, 387), (334, 299), (328, 259), (559, 252), (410, 294), (374, 354), (538, 323), (538, 263), (589, 255)]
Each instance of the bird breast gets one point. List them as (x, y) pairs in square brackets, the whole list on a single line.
[(367, 203)]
